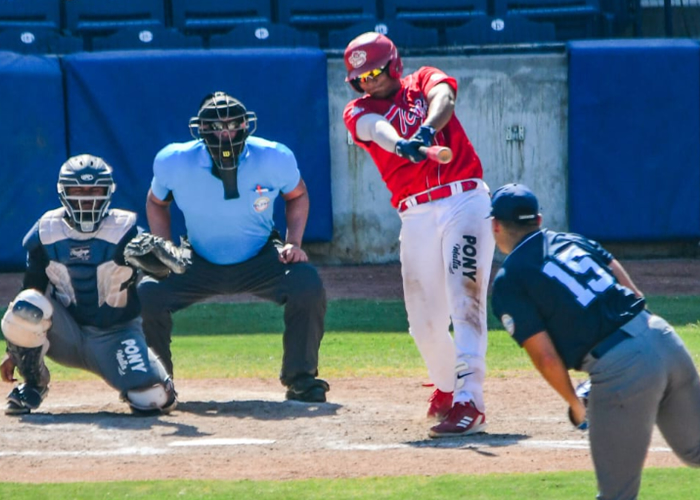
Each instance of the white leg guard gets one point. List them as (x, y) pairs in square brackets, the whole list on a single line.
[(27, 319), (159, 397)]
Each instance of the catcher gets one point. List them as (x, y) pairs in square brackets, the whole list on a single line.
[(79, 304), (570, 304)]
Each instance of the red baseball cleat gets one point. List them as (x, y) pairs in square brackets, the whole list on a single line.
[(462, 420), (440, 404)]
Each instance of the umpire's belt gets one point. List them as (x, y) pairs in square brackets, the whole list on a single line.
[(436, 193), (602, 347)]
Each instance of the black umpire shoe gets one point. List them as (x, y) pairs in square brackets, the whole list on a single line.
[(308, 389)]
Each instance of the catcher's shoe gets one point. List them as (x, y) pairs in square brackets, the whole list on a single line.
[(462, 420), (308, 390), (440, 404), (25, 398)]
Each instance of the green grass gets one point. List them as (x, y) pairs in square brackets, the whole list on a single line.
[(364, 338), (669, 484)]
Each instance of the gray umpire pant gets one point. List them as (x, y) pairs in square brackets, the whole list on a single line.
[(647, 379), (296, 286)]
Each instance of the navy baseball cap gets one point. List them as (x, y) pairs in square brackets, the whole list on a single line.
[(515, 203)]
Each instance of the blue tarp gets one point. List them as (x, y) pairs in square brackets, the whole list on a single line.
[(126, 105), (33, 134), (634, 139)]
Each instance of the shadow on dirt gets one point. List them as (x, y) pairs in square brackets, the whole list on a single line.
[(111, 420), (259, 410), (478, 443)]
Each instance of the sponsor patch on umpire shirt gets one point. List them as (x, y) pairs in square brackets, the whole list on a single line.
[(508, 323)]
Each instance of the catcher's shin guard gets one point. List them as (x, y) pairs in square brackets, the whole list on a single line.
[(29, 395), (157, 399), (30, 363)]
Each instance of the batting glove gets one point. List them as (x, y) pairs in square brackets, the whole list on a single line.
[(409, 150), (425, 135)]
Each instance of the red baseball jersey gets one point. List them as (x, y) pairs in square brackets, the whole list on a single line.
[(406, 111)]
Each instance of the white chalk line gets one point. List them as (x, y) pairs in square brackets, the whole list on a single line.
[(222, 442), (332, 445)]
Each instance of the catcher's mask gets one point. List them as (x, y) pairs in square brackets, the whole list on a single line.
[(85, 210), (224, 124)]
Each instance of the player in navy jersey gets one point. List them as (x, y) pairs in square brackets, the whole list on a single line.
[(571, 305), (78, 303)]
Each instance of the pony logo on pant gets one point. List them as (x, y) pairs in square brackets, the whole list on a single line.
[(130, 357), (464, 256)]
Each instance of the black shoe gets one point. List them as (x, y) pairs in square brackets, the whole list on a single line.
[(308, 390), (25, 398), (14, 408)]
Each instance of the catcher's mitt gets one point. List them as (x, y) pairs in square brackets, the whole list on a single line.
[(156, 256)]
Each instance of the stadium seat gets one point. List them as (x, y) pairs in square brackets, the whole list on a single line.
[(438, 14), (322, 16), (89, 17), (505, 30), (218, 16), (264, 35), (146, 38), (38, 40), (402, 34), (572, 19), (30, 14), (435, 14)]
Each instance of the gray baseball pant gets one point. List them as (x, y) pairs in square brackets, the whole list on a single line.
[(646, 379), (119, 354)]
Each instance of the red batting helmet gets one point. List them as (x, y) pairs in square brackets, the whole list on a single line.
[(370, 51)]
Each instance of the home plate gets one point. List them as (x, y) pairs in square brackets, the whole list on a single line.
[(221, 442)]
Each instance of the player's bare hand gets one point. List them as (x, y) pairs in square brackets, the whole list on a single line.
[(290, 254), (577, 415), (7, 369)]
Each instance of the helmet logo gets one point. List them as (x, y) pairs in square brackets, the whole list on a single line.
[(357, 58), (87, 177)]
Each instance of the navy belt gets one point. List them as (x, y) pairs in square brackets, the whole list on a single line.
[(602, 347)]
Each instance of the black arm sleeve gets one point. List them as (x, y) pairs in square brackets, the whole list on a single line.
[(119, 257), (35, 274)]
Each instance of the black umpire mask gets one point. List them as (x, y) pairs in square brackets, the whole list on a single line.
[(224, 124)]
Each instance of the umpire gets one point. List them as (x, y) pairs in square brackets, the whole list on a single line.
[(225, 182), (571, 305)]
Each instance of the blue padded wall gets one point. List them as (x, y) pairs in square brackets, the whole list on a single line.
[(127, 105), (33, 147), (634, 139)]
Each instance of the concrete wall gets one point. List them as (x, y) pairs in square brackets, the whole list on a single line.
[(496, 93)]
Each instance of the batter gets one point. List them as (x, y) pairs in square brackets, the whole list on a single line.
[(446, 242)]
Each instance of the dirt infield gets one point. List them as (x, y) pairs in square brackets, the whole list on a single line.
[(243, 428)]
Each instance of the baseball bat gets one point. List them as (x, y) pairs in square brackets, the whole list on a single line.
[(440, 154)]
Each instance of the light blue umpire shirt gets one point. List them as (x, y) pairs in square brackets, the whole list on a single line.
[(225, 231)]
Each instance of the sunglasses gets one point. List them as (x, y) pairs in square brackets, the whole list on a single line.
[(370, 75)]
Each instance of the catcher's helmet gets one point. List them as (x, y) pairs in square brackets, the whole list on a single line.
[(224, 124), (85, 212), (370, 51)]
